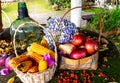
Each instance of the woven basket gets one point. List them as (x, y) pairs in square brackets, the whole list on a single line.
[(87, 63), (38, 77)]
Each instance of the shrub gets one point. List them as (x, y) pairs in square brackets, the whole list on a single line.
[(110, 20), (60, 3)]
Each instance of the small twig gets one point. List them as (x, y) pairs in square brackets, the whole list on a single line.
[(100, 28), (114, 31)]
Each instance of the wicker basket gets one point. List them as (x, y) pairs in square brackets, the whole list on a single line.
[(87, 63), (38, 77)]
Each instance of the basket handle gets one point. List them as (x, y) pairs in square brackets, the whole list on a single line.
[(37, 24), (9, 20), (86, 7)]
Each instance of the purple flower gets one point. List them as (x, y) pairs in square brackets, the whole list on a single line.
[(49, 60), (4, 71), (46, 57), (2, 61)]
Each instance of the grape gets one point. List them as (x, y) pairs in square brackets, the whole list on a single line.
[(62, 32)]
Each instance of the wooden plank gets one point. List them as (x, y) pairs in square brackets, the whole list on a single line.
[(0, 18)]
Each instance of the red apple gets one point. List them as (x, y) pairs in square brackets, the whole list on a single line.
[(78, 39), (91, 46), (78, 53)]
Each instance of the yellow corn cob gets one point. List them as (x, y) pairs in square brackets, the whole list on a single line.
[(33, 69), (41, 50), (44, 43), (42, 65), (36, 57), (29, 50), (24, 66), (11, 80), (16, 60)]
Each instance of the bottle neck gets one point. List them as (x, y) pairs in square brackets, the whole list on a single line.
[(22, 13), (22, 10)]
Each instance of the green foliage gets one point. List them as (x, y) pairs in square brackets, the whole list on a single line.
[(116, 39), (61, 3), (92, 9), (110, 20)]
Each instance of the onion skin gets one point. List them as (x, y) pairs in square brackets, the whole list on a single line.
[(91, 46), (78, 53), (78, 39), (61, 53), (66, 48)]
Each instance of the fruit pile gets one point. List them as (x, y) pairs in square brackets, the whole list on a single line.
[(79, 47), (37, 58)]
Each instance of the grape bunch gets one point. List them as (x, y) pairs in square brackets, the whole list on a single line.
[(61, 30)]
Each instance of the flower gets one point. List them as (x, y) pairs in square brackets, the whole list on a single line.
[(4, 71), (2, 61), (61, 30), (49, 60)]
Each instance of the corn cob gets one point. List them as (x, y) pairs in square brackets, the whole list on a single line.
[(41, 50), (24, 66), (42, 65), (33, 69), (29, 50), (44, 43), (16, 60), (36, 57), (11, 80)]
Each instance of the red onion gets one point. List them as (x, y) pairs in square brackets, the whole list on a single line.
[(91, 46), (6, 62), (2, 61), (78, 39), (78, 53), (4, 71)]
